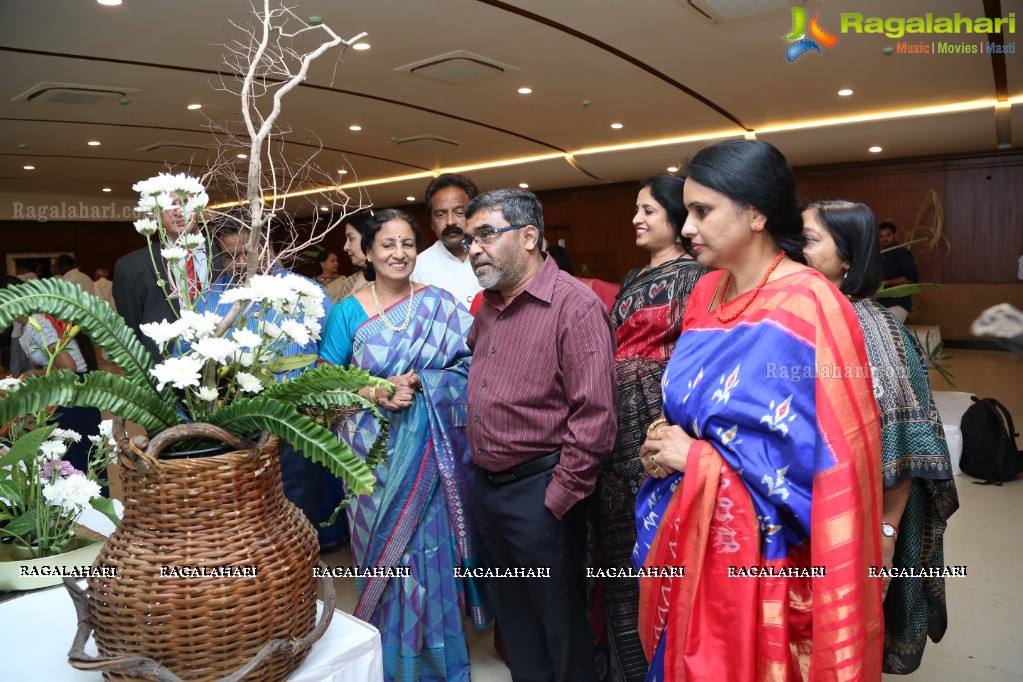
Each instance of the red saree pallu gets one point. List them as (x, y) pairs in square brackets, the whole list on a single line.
[(775, 518)]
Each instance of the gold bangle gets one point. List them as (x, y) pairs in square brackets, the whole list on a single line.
[(654, 424)]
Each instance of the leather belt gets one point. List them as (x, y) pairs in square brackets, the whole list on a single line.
[(521, 471)]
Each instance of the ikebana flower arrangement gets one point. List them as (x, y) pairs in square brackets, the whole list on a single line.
[(42, 495), (225, 370)]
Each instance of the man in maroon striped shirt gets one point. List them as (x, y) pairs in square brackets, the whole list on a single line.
[(542, 416)]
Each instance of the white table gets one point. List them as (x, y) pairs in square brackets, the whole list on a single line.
[(42, 627), (951, 407)]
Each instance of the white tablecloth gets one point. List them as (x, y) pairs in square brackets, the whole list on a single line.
[(40, 628), (951, 407)]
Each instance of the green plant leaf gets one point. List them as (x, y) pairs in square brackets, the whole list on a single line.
[(23, 525), (324, 379), (67, 301), (10, 492), (302, 433), (286, 363), (27, 446), (900, 290), (105, 506)]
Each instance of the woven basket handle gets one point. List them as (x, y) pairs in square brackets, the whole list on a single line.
[(139, 667), (145, 451)]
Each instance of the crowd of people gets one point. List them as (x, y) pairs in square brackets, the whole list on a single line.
[(537, 431)]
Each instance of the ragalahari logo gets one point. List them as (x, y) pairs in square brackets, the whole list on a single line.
[(807, 37)]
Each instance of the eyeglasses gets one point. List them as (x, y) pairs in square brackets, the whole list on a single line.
[(484, 237)]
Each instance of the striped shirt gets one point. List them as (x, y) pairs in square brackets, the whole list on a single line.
[(543, 378)]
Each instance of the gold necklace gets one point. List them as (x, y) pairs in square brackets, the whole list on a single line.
[(380, 308)]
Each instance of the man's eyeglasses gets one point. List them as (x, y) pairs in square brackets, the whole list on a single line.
[(485, 237)]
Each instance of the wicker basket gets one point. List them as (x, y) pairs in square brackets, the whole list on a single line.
[(157, 620)]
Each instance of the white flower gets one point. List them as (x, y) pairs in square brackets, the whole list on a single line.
[(198, 326), (174, 254), (246, 338), (270, 331), (191, 240), (275, 290), (235, 294), (247, 359), (72, 493), (66, 435), (213, 348), (179, 372), (166, 201), (296, 330), (52, 449), (106, 429), (146, 227), (208, 394), (249, 383), (163, 332), (195, 204), (10, 384)]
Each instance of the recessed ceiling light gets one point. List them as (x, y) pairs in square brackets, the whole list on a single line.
[(324, 208), (361, 46), (673, 169), (355, 128), (410, 198), (845, 92), (342, 171), (525, 91), (524, 185), (193, 107), (107, 189), (29, 167), (109, 3), (243, 156), (874, 150), (616, 126), (94, 143)]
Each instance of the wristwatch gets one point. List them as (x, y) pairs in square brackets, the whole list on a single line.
[(889, 531)]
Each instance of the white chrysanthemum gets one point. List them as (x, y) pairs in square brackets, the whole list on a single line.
[(174, 254), (208, 394), (270, 331), (296, 331), (235, 294), (199, 325), (52, 449), (72, 494), (247, 359), (106, 428), (305, 287), (249, 383), (312, 328), (146, 227), (163, 332), (178, 372), (246, 338), (67, 435), (10, 384), (195, 204), (213, 348), (166, 201), (191, 240), (274, 290)]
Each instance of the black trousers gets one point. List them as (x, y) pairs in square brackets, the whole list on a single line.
[(544, 621)]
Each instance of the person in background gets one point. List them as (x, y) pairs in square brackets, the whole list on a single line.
[(647, 317), (343, 287), (542, 417), (766, 459), (606, 291), (899, 268), (418, 516), (103, 287), (919, 489), (69, 272), (444, 264), (328, 263)]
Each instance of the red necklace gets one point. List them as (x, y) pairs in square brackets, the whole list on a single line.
[(749, 297)]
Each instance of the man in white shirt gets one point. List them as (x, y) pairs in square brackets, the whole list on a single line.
[(70, 273), (446, 263), (103, 287)]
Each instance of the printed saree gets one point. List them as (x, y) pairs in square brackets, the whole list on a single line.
[(782, 484), (912, 447), (417, 516), (647, 317)]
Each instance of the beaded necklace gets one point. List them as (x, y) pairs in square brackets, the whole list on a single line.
[(383, 317), (749, 297)]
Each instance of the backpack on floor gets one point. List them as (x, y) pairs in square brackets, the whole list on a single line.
[(989, 443)]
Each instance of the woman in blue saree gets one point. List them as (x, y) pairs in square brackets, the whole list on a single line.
[(416, 518)]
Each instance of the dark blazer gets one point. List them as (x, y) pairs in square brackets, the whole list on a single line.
[(138, 297)]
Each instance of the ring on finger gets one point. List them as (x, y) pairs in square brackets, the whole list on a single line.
[(653, 460)]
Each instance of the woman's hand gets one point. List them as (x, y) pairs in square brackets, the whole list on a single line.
[(405, 387), (665, 451)]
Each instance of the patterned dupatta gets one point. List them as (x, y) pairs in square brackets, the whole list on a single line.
[(429, 452), (784, 477)]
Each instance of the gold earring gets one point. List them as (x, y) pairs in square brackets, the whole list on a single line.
[(759, 227)]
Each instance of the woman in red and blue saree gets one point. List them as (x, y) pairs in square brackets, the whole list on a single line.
[(764, 481), (647, 317), (919, 489), (416, 518)]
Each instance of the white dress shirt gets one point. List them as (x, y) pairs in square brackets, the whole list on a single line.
[(438, 267)]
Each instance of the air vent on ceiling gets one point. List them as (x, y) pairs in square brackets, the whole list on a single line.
[(730, 10), (456, 67), (73, 93), (175, 149), (425, 143)]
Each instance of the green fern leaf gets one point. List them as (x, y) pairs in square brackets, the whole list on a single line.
[(67, 301), (302, 433), (323, 379), (120, 396)]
